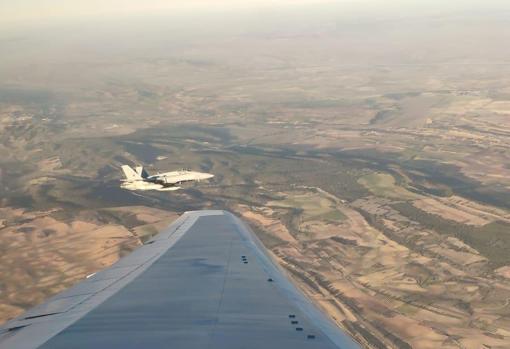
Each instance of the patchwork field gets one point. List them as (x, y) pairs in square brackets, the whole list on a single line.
[(374, 165)]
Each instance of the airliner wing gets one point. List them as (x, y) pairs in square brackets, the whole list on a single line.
[(205, 282)]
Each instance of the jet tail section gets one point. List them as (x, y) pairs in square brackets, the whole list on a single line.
[(131, 175)]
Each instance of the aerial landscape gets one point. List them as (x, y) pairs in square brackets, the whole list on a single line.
[(369, 153)]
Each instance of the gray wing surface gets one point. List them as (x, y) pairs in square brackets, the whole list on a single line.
[(205, 282)]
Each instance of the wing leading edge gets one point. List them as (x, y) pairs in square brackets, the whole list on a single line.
[(205, 282)]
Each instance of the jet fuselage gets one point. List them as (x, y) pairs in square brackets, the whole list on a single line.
[(139, 179)]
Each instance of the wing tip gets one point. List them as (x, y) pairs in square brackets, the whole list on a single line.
[(203, 213)]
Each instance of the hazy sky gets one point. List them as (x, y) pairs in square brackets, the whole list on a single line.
[(21, 10), (15, 12)]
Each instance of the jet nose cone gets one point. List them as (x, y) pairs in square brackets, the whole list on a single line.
[(207, 176)]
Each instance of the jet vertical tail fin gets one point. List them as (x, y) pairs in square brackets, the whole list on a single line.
[(141, 172), (130, 174)]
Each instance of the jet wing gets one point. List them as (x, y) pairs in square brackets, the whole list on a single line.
[(205, 282)]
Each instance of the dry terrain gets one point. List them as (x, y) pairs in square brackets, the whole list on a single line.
[(371, 157)]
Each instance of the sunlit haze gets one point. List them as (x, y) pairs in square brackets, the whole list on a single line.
[(23, 12)]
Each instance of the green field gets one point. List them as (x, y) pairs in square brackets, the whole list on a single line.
[(383, 184)]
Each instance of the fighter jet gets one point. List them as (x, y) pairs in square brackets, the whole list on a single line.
[(139, 179)]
